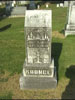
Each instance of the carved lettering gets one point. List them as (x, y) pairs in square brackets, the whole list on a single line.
[(37, 44), (37, 72)]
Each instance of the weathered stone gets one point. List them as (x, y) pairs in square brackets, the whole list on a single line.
[(38, 70)]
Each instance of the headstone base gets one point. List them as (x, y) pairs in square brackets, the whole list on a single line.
[(70, 30), (38, 82)]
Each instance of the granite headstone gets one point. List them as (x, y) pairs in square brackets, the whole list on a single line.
[(32, 5), (39, 71), (8, 8)]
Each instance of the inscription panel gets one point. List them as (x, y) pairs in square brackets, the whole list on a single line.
[(38, 42)]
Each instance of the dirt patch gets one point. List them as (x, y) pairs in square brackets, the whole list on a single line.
[(5, 74), (56, 34), (13, 85)]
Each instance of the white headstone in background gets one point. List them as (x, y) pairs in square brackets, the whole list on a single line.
[(70, 27), (38, 6), (61, 5), (0, 3), (22, 2), (57, 5), (12, 4), (66, 3), (47, 5)]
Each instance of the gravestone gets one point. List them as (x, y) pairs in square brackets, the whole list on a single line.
[(18, 11), (61, 5), (22, 2), (12, 4), (0, 3), (47, 5), (38, 6), (66, 3), (57, 5), (8, 8), (39, 71), (70, 27), (32, 5)]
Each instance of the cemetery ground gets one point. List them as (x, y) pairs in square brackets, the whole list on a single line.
[(12, 56)]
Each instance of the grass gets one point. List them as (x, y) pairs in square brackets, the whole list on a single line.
[(12, 56), (11, 43), (58, 16), (6, 96), (67, 55)]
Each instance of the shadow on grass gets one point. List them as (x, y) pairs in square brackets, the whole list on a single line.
[(56, 51), (69, 92), (5, 27), (63, 30)]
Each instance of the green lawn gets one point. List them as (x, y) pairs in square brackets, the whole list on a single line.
[(12, 54), (58, 15), (12, 50)]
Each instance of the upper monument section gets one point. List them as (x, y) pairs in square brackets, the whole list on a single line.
[(38, 18)]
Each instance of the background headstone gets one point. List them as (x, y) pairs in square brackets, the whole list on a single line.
[(57, 5), (32, 5), (23, 2), (14, 2), (0, 3), (38, 6), (18, 11), (38, 70), (47, 5), (66, 3), (8, 8), (70, 27), (61, 5)]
